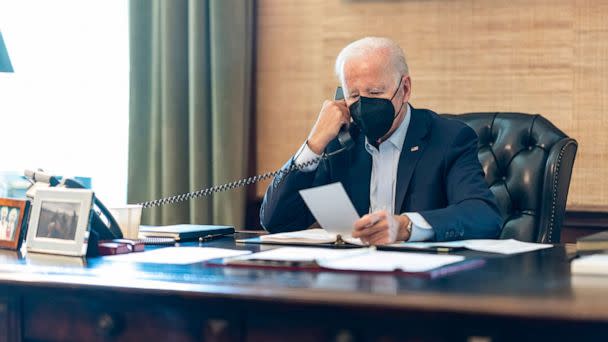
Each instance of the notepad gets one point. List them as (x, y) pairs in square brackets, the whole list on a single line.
[(305, 237)]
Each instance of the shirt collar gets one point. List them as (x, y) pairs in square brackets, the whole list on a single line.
[(398, 136)]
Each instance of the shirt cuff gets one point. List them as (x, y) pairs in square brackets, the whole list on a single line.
[(304, 155), (421, 229)]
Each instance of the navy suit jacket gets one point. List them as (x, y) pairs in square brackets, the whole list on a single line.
[(441, 179)]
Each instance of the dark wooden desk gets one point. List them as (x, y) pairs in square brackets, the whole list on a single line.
[(523, 296)]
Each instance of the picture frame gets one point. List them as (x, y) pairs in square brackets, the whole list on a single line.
[(60, 221), (13, 222)]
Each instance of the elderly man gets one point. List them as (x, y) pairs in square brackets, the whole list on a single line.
[(411, 174)]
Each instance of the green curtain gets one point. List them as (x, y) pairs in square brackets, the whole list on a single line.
[(189, 115)]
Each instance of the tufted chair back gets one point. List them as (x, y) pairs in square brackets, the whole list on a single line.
[(528, 163)]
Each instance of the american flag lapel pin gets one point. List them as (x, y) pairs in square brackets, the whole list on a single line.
[(414, 149)]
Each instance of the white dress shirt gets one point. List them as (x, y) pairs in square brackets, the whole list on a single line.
[(385, 161)]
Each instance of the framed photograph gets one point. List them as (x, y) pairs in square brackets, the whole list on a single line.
[(13, 220), (59, 222)]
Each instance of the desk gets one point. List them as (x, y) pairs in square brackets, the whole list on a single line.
[(522, 296)]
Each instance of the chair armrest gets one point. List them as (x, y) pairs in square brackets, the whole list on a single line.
[(558, 173)]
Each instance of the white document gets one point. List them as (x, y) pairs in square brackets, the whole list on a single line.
[(177, 255), (303, 254), (510, 246), (332, 208), (359, 259), (380, 261)]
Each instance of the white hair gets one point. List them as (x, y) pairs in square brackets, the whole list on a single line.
[(367, 46)]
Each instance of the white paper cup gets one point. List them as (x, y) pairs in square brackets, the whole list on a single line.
[(128, 218)]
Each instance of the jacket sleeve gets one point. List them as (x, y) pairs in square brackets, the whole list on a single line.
[(283, 209), (472, 212)]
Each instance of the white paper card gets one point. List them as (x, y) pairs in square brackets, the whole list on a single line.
[(177, 255), (509, 246), (332, 208)]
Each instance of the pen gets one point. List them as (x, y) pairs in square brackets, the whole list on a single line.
[(210, 237)]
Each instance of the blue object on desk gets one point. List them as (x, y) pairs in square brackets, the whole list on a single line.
[(5, 61)]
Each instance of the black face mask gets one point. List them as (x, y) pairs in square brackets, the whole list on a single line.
[(374, 116)]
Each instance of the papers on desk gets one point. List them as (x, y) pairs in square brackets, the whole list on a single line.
[(360, 259), (380, 261), (177, 255), (321, 236), (303, 254), (506, 247)]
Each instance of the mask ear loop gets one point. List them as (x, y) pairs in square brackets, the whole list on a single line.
[(395, 94), (397, 90)]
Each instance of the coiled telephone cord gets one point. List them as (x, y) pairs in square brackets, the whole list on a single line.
[(235, 184)]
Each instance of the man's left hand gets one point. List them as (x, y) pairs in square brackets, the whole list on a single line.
[(381, 228)]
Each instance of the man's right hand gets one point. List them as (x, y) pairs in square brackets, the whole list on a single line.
[(333, 115)]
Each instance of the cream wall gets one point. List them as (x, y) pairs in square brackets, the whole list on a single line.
[(547, 57)]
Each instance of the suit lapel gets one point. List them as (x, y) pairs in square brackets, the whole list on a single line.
[(413, 148)]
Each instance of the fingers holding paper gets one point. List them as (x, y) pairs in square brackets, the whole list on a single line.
[(381, 228)]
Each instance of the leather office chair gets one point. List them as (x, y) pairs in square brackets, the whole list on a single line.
[(528, 163)]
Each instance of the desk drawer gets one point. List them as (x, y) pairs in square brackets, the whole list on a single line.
[(9, 319), (90, 319)]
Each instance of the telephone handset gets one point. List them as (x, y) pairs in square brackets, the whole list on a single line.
[(347, 132)]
